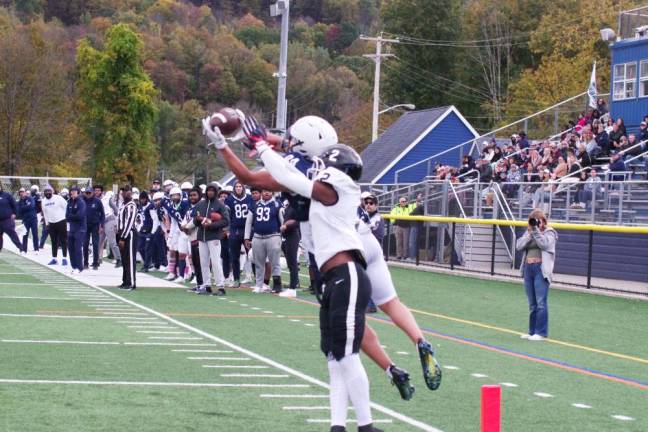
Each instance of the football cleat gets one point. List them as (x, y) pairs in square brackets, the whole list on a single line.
[(400, 379), (426, 354)]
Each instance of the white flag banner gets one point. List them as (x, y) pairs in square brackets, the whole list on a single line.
[(591, 90)]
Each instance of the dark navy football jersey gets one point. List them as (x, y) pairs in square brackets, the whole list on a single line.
[(238, 208), (300, 204), (266, 217)]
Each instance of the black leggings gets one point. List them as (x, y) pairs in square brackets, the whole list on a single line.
[(58, 232)]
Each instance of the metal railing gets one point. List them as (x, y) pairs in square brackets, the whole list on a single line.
[(472, 141), (466, 246)]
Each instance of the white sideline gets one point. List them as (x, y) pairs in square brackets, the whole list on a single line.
[(349, 421), (71, 342), (148, 383), (406, 419)]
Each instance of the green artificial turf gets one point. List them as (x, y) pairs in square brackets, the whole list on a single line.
[(468, 320)]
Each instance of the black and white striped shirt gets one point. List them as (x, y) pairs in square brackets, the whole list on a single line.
[(127, 215)]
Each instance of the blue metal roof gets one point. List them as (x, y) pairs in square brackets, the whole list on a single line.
[(396, 139)]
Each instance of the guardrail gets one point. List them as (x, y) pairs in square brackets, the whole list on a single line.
[(589, 228)]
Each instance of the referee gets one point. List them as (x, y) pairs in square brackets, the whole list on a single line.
[(127, 238)]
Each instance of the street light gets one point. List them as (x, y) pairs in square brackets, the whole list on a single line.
[(406, 106), (374, 129)]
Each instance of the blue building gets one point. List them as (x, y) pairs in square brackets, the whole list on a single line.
[(629, 83), (415, 137)]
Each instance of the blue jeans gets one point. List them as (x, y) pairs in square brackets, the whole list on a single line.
[(537, 290)]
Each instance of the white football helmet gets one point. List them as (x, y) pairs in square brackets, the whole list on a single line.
[(310, 135), (186, 185), (175, 191)]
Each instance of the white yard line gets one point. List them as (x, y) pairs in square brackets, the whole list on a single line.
[(175, 338), (66, 316), (71, 342), (35, 298), (237, 366), (349, 421), (150, 384), (195, 351), (622, 418), (543, 395), (378, 407), (580, 405), (307, 408), (123, 313), (161, 332), (151, 327), (293, 396), (236, 375)]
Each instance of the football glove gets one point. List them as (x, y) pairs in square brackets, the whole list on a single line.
[(254, 131), (214, 136)]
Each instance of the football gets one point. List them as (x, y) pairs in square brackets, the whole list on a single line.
[(227, 120), (215, 216)]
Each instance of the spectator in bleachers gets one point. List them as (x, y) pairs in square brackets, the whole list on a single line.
[(601, 106), (615, 136), (617, 165), (523, 142), (583, 157), (467, 164), (538, 245), (485, 171), (27, 213), (643, 131), (513, 176), (622, 128), (561, 168), (401, 227), (592, 189), (603, 141)]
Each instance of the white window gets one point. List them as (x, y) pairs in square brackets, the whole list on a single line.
[(625, 77), (643, 78)]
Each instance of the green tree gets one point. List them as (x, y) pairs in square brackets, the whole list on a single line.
[(117, 107), (407, 80)]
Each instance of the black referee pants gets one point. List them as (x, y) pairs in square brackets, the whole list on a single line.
[(128, 254)]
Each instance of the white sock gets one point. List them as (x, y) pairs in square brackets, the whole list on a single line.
[(357, 384), (339, 398)]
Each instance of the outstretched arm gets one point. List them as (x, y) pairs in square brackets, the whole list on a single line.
[(244, 175), (291, 178)]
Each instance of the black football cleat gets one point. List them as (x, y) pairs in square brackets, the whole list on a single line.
[(400, 379), (338, 429), (431, 369), (369, 428)]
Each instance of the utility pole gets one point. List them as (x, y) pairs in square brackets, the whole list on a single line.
[(282, 7), (377, 59)]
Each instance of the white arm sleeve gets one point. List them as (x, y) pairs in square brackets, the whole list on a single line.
[(248, 226), (284, 173), (156, 222)]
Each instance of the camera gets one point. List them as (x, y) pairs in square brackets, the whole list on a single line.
[(534, 222)]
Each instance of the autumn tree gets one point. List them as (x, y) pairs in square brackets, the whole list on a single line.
[(117, 107), (34, 98)]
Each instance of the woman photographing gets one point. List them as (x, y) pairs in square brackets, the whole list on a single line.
[(539, 246)]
